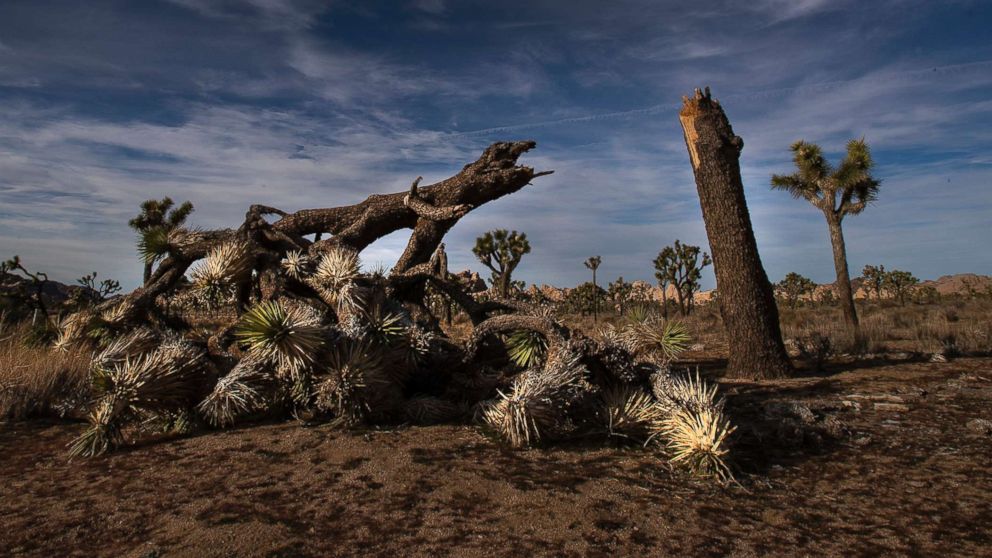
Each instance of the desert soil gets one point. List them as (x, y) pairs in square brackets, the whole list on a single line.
[(883, 460)]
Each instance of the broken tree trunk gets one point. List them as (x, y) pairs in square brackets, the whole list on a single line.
[(430, 211), (747, 302)]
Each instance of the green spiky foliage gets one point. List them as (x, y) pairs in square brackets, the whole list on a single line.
[(838, 192), (289, 335), (526, 348), (666, 339), (794, 287), (156, 220), (639, 314), (501, 251), (153, 244), (679, 265), (630, 412), (130, 392), (535, 407), (244, 390), (353, 385)]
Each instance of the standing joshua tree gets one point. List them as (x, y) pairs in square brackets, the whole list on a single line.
[(746, 300), (899, 283), (593, 264), (846, 190), (874, 277), (501, 251), (794, 287), (154, 224), (679, 265)]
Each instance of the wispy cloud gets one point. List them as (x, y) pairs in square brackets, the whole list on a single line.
[(301, 104)]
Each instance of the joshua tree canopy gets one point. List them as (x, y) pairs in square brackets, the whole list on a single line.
[(837, 192), (680, 266), (794, 287), (156, 220), (874, 277), (899, 283), (501, 251)]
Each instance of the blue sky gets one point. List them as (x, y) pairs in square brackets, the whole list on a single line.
[(313, 104)]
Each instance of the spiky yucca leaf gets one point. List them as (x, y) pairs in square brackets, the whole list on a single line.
[(153, 244), (353, 382), (129, 391), (685, 392), (698, 439), (639, 314), (534, 407), (74, 329), (140, 341), (526, 348), (669, 339), (290, 335), (334, 277), (630, 412), (240, 392), (226, 265), (296, 264)]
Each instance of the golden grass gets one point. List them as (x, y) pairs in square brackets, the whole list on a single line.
[(37, 381)]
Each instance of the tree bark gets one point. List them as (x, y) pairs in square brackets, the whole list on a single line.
[(843, 276), (746, 298)]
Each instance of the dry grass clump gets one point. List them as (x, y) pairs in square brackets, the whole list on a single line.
[(37, 381)]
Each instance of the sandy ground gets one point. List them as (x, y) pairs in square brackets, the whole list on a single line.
[(886, 465)]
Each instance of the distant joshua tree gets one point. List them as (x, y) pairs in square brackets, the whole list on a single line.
[(680, 266), (846, 190), (794, 287), (620, 292), (593, 264), (501, 251), (874, 277), (900, 284), (154, 224)]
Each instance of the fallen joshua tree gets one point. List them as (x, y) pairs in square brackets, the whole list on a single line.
[(314, 337)]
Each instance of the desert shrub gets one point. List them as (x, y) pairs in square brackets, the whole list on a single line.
[(36, 381)]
